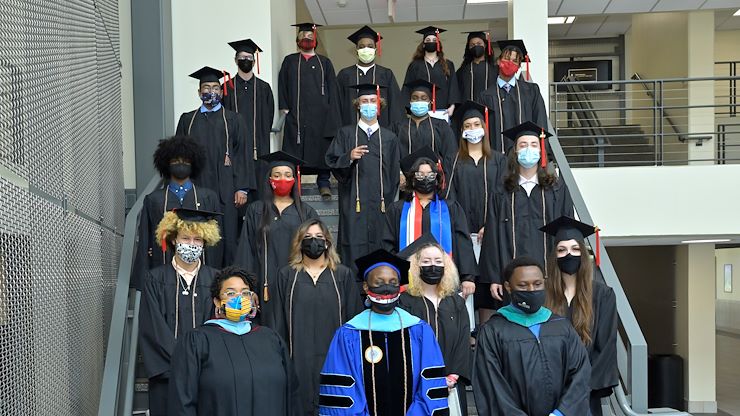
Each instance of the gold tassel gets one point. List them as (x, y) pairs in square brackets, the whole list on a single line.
[(255, 153), (382, 205), (265, 294), (357, 206), (227, 160)]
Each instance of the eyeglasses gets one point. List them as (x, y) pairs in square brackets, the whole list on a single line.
[(231, 294), (428, 176), (245, 58), (207, 90)]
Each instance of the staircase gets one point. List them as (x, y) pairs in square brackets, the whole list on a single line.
[(620, 145)]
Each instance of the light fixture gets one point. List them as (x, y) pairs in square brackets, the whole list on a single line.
[(560, 20), (737, 13), (717, 240), (486, 1)]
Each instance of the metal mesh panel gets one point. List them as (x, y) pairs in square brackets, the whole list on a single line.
[(61, 201)]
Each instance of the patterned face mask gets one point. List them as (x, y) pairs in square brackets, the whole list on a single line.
[(240, 308), (189, 253)]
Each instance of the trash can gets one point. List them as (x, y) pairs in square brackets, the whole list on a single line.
[(665, 381)]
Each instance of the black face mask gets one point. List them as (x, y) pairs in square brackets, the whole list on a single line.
[(569, 264), (386, 291), (180, 170), (425, 186), (477, 51), (430, 46), (245, 64), (528, 301), (431, 275), (313, 247)]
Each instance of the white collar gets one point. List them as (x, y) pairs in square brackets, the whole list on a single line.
[(364, 69), (364, 126), (533, 179)]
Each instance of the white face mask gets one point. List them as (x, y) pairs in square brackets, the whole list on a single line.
[(474, 136), (366, 55)]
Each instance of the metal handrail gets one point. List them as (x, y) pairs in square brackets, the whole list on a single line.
[(116, 392)]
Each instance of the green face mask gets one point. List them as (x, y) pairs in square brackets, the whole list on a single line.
[(366, 55)]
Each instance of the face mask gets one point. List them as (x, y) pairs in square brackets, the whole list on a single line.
[(419, 108), (569, 264), (528, 157), (245, 64), (507, 68), (528, 301), (474, 136), (425, 186), (366, 55), (384, 297), (239, 308), (368, 111), (431, 275), (313, 247), (180, 170), (211, 98), (282, 187), (189, 253), (430, 46), (477, 51), (307, 44)]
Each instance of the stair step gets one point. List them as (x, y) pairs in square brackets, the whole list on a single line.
[(319, 198), (331, 212)]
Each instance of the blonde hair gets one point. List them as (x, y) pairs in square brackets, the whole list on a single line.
[(295, 260), (171, 225), (450, 280)]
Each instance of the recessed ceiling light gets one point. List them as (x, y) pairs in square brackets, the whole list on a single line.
[(570, 19), (486, 1), (717, 240), (737, 13), (560, 20)]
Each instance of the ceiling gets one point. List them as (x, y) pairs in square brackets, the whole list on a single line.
[(594, 18)]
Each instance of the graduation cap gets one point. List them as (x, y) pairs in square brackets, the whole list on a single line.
[(518, 46), (169, 226), (194, 215), (566, 228), (470, 109), (308, 27), (431, 31), (281, 158), (208, 74), (425, 152), (368, 89), (425, 240), (379, 258), (426, 86), (247, 45), (367, 32), (528, 128), (482, 35)]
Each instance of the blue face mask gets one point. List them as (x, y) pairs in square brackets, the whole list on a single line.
[(211, 98), (368, 111), (528, 157), (419, 108)]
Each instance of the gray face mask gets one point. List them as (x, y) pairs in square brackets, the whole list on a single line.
[(189, 253)]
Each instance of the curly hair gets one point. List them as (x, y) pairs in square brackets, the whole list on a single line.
[(227, 273), (179, 147), (171, 225), (450, 280)]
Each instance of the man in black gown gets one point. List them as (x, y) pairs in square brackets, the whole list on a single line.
[(529, 361), (367, 42), (308, 95), (252, 99), (221, 132)]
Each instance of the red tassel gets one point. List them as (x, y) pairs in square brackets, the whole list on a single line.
[(436, 35), (231, 81), (226, 83), (434, 97), (442, 172), (526, 59), (486, 112), (543, 152), (314, 36), (298, 173), (597, 252), (164, 246), (488, 39), (377, 98), (380, 44), (257, 57)]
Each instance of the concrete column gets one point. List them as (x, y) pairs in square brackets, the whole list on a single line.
[(700, 48), (528, 21), (695, 324)]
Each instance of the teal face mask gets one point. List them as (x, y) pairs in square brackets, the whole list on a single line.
[(528, 157), (419, 108)]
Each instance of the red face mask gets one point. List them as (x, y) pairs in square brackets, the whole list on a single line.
[(507, 68), (282, 187)]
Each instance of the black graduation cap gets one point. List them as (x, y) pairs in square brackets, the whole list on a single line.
[(367, 89), (379, 257), (411, 249), (470, 109), (245, 45), (566, 228), (281, 158), (425, 152), (516, 44), (364, 32), (194, 215), (307, 26), (528, 128), (208, 74), (430, 30)]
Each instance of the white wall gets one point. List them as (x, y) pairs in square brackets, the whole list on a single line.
[(127, 94)]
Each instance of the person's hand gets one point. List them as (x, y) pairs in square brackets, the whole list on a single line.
[(451, 381), (358, 152), (480, 234), (497, 291), (402, 181), (468, 288), (240, 198), (450, 110), (285, 111)]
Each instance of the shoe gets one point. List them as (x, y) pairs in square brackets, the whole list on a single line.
[(325, 193)]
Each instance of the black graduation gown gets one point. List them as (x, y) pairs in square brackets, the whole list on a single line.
[(218, 373), (209, 130), (474, 78), (307, 315), (317, 113), (251, 94), (413, 137), (251, 251), (497, 248), (467, 185), (448, 92), (149, 250), (360, 233), (162, 305), (462, 247), (515, 374), (378, 75), (508, 112)]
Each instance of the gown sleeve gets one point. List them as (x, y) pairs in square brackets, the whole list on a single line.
[(604, 349), (463, 246), (493, 394), (141, 265), (351, 298), (338, 157), (460, 364), (396, 111), (283, 86), (242, 166), (453, 96), (390, 231), (333, 121), (181, 126), (431, 392), (246, 252), (489, 262), (185, 380), (281, 297), (342, 391), (268, 111), (156, 341), (575, 397)]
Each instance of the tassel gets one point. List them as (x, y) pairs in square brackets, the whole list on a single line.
[(257, 57), (357, 205), (298, 173), (486, 111), (227, 160), (597, 252), (526, 59), (254, 156), (226, 84), (488, 39), (265, 293), (231, 81), (314, 39), (164, 246), (442, 173), (382, 204), (377, 97), (434, 97), (543, 152), (436, 35), (380, 44)]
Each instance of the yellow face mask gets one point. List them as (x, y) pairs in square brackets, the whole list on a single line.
[(241, 307)]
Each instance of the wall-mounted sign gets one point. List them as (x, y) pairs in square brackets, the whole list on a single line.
[(599, 70)]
